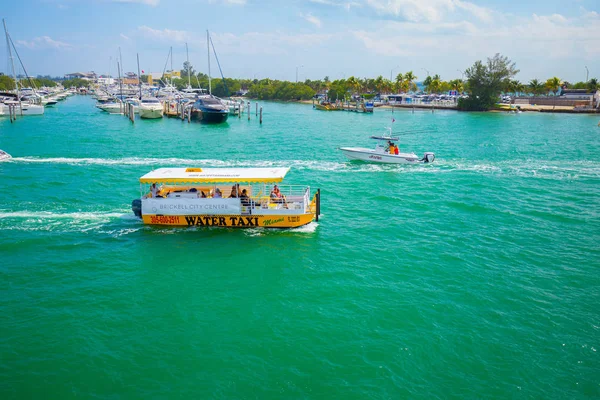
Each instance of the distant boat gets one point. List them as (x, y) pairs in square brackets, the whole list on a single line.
[(382, 155), (4, 155), (327, 106)]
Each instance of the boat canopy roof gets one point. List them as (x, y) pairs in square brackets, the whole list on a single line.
[(385, 138), (214, 175)]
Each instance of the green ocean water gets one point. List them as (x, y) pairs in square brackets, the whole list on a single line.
[(474, 277)]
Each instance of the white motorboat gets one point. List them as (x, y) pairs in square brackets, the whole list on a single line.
[(382, 154), (4, 155), (151, 108), (25, 108)]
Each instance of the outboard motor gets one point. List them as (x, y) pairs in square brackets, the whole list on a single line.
[(428, 157), (136, 207)]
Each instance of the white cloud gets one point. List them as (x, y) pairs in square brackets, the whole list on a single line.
[(276, 43), (44, 42), (344, 4), (428, 10), (312, 19), (165, 34), (532, 42)]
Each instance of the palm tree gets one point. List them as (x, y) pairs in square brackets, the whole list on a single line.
[(379, 84), (410, 79), (435, 86), (516, 87), (592, 84), (399, 79), (536, 87), (353, 83), (553, 84), (458, 85), (427, 82)]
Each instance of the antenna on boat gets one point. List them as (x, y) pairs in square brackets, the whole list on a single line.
[(208, 51)]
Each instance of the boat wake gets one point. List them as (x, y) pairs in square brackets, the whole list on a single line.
[(563, 169), (115, 223)]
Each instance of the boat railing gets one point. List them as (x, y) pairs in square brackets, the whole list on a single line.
[(297, 197)]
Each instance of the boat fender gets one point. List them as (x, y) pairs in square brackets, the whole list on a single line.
[(136, 207), (428, 157)]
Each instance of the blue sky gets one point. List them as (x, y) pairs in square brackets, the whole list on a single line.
[(337, 38)]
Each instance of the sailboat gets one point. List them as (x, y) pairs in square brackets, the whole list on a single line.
[(24, 107), (208, 108)]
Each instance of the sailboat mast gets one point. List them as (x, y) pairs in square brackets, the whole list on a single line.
[(12, 60), (120, 81), (171, 51), (208, 52), (139, 76), (187, 55)]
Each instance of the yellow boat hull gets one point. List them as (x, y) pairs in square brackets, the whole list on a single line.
[(231, 221)]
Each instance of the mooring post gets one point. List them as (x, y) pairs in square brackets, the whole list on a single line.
[(257, 109), (248, 111), (318, 210), (239, 107), (189, 115), (261, 115)]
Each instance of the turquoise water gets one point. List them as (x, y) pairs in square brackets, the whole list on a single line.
[(474, 277)]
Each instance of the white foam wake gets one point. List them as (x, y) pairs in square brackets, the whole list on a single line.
[(84, 216)]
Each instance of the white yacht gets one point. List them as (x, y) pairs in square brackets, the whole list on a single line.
[(151, 108)]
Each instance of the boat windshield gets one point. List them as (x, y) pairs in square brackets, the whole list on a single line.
[(209, 101), (150, 101)]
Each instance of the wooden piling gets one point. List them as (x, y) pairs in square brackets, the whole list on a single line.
[(261, 115), (248, 111)]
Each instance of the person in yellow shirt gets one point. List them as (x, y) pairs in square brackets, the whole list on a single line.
[(392, 148)]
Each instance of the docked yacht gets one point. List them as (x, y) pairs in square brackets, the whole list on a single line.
[(150, 108), (381, 153), (209, 109)]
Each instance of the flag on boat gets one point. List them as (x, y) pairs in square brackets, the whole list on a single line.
[(393, 120)]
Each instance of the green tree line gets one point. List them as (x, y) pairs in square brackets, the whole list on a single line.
[(8, 83)]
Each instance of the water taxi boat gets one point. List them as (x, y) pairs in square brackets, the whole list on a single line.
[(224, 197), (381, 153)]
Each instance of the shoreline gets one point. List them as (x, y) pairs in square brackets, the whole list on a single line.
[(497, 109)]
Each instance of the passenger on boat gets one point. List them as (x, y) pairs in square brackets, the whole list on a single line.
[(392, 148), (277, 197), (218, 194), (234, 192), (244, 198), (154, 190)]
